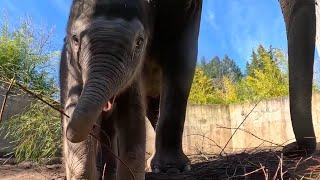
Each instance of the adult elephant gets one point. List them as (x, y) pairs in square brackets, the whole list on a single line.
[(121, 57), (300, 20)]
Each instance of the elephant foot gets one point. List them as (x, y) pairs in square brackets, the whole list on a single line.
[(294, 150), (170, 163)]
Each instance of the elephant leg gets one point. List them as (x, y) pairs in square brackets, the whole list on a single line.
[(169, 156), (153, 110), (178, 65), (131, 132), (109, 163), (301, 32)]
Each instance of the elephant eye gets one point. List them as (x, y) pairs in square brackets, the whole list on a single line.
[(139, 43), (75, 40)]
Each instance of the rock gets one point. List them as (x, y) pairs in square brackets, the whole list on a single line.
[(25, 165)]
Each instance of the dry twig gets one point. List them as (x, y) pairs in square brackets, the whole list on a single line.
[(249, 173), (6, 98), (265, 172), (248, 132), (105, 144), (222, 151), (276, 173), (205, 137)]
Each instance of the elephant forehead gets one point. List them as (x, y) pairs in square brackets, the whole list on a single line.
[(88, 7), (85, 10)]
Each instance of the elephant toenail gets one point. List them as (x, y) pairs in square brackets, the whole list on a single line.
[(187, 168), (156, 170)]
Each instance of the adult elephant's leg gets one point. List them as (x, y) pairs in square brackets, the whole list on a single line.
[(153, 110), (131, 132), (169, 155), (178, 61), (300, 20), (109, 162)]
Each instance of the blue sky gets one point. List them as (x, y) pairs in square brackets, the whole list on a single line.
[(232, 27)]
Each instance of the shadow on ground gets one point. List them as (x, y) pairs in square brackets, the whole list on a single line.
[(251, 165)]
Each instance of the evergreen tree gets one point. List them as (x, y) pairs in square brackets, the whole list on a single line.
[(255, 62), (230, 69), (264, 76), (221, 82), (217, 69), (212, 69)]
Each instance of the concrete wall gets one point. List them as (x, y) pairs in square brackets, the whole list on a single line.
[(270, 120), (208, 127), (15, 105)]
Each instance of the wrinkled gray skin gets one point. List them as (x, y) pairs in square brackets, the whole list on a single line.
[(137, 51), (300, 19)]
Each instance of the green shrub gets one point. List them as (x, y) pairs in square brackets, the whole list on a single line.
[(266, 77), (36, 133), (25, 54)]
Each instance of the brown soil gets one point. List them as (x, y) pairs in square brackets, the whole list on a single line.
[(31, 172), (251, 165)]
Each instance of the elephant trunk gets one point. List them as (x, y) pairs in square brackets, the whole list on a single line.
[(108, 65), (103, 82)]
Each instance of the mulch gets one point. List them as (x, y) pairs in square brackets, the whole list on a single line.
[(260, 164), (263, 164)]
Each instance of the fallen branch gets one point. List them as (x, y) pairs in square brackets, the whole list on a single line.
[(249, 173), (205, 137), (278, 168), (239, 127), (92, 133), (41, 99), (248, 132), (265, 173), (6, 98)]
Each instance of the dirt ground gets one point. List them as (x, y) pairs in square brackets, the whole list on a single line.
[(247, 165), (31, 172)]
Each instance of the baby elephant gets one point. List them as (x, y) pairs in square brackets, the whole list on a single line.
[(119, 58)]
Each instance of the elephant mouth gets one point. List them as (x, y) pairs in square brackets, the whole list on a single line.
[(108, 106)]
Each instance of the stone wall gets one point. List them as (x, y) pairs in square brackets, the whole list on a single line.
[(208, 128)]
